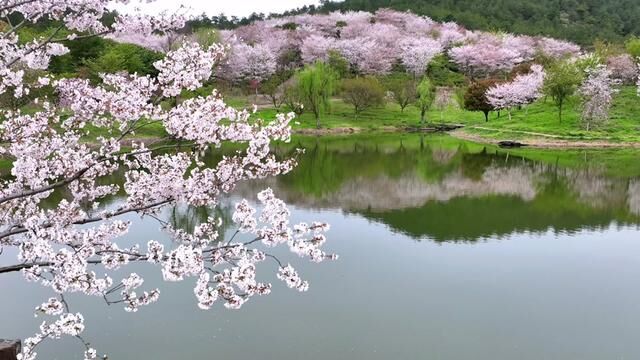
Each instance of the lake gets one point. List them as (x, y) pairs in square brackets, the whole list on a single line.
[(448, 250)]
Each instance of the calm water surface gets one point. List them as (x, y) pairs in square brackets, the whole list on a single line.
[(449, 250)]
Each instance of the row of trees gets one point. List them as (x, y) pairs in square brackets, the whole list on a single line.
[(312, 88), (582, 21), (589, 78), (593, 82), (372, 51), (359, 47)]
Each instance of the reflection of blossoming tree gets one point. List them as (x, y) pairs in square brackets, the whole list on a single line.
[(634, 197), (48, 155)]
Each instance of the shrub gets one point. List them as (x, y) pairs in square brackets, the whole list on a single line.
[(362, 93)]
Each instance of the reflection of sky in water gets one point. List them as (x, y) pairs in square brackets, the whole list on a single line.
[(559, 282)]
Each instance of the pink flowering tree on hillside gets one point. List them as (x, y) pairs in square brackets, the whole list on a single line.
[(73, 243), (623, 68), (251, 63), (366, 56), (523, 90), (597, 92), (316, 48), (483, 59), (416, 54)]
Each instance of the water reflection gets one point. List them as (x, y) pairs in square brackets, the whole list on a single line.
[(443, 189), (563, 287), (447, 190)]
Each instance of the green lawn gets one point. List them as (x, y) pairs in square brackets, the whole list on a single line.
[(539, 118)]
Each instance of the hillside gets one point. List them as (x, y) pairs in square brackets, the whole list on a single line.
[(582, 21)]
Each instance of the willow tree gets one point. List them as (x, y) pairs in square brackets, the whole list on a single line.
[(316, 84), (426, 95)]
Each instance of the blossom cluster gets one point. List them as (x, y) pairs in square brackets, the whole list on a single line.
[(373, 43), (597, 91), (523, 90), (53, 204)]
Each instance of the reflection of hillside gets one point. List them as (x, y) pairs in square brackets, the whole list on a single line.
[(384, 193), (471, 219), (438, 188), (451, 193), (634, 197)]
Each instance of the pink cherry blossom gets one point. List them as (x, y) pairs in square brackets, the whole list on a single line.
[(623, 68), (597, 91), (50, 155), (523, 90), (483, 59), (417, 53)]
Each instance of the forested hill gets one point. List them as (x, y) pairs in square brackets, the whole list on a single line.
[(582, 21)]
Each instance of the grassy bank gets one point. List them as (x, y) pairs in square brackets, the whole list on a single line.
[(538, 124), (537, 121)]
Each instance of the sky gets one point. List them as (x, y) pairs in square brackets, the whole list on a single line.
[(238, 8)]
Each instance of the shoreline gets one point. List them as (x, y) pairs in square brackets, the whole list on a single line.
[(538, 142), (548, 143)]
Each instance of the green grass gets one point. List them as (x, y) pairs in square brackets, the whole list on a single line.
[(540, 117)]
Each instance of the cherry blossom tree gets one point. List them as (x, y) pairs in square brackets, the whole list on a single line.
[(372, 43), (416, 54), (523, 90), (482, 59), (406, 21), (638, 81), (251, 63), (367, 56), (597, 92), (623, 68), (316, 47), (153, 42), (558, 49), (450, 34), (73, 244)]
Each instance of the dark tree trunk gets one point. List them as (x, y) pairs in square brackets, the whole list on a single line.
[(9, 349), (560, 113)]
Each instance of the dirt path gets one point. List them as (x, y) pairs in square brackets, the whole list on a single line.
[(517, 132), (545, 140), (327, 131)]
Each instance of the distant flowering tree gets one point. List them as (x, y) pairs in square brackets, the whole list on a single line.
[(316, 47), (450, 34), (373, 43), (251, 63), (597, 92), (483, 59), (523, 90), (417, 53), (161, 43), (72, 244), (638, 81), (623, 68), (366, 56), (558, 49)]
